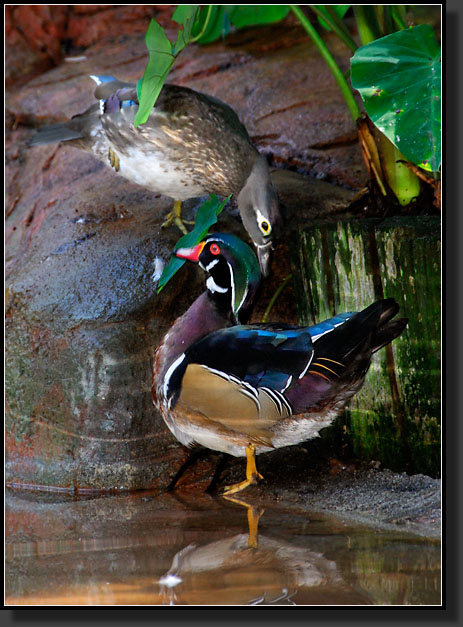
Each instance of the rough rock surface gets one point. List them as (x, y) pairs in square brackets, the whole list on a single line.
[(39, 37), (377, 497), (83, 316)]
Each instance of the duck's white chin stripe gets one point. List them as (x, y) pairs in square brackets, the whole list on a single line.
[(212, 264)]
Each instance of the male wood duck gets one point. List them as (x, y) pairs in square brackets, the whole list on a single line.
[(245, 389), (191, 145)]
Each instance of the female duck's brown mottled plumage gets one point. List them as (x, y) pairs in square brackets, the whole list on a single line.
[(192, 144)]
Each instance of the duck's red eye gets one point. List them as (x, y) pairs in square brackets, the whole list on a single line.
[(215, 249)]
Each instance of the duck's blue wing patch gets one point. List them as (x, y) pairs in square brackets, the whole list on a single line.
[(318, 330), (115, 101), (102, 78)]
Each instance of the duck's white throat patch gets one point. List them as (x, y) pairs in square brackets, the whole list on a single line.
[(213, 287)]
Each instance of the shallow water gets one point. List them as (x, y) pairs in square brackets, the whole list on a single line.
[(190, 549)]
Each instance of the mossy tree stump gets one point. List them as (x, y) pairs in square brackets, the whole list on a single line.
[(345, 266)]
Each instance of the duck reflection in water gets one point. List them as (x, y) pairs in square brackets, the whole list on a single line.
[(248, 569)]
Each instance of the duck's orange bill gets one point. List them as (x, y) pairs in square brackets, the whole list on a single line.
[(192, 254)]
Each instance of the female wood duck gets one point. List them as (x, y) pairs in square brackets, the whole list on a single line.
[(249, 388), (191, 145)]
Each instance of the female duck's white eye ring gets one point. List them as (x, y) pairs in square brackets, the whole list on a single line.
[(263, 223), (265, 227)]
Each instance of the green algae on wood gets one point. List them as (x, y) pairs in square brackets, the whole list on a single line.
[(345, 266)]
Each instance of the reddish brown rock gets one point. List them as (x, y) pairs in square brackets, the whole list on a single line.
[(87, 27), (39, 37), (32, 39)]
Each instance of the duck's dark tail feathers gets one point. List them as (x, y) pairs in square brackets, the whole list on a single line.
[(353, 343), (54, 134), (386, 328), (342, 357)]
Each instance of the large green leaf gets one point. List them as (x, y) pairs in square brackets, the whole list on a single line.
[(399, 80), (205, 218), (159, 63), (242, 15), (212, 24), (187, 16), (161, 58)]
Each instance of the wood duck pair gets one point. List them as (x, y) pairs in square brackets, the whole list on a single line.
[(191, 145), (245, 389)]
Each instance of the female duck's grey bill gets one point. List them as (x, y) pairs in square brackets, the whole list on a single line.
[(263, 254)]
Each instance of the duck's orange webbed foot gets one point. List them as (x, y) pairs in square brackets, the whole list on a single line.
[(252, 474)]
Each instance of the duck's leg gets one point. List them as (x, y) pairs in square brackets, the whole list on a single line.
[(175, 217), (253, 521), (252, 474)]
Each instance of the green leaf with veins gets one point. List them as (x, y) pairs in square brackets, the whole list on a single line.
[(399, 80)]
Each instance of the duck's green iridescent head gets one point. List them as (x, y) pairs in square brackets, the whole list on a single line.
[(233, 269)]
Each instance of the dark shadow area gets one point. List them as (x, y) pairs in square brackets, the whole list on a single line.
[(203, 615), (452, 307)]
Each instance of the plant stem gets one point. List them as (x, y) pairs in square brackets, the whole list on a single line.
[(403, 182), (329, 60), (385, 21), (210, 8), (367, 23), (275, 296), (336, 25), (399, 21)]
